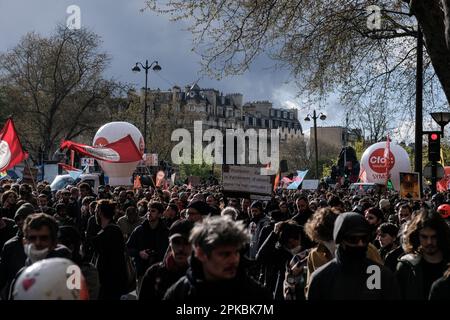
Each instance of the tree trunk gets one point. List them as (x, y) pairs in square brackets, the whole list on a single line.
[(431, 19), (446, 8)]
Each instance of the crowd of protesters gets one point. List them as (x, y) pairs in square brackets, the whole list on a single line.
[(195, 244)]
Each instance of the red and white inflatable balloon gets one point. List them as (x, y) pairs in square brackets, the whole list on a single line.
[(118, 173), (374, 164)]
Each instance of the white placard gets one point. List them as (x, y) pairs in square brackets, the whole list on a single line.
[(246, 179), (310, 184)]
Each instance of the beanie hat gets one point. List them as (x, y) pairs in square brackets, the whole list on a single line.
[(24, 211), (257, 204), (180, 228)]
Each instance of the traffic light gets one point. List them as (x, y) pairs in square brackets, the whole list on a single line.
[(434, 146)]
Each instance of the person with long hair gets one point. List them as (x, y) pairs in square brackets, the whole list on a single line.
[(427, 244)]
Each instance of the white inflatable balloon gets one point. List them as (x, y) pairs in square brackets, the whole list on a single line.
[(373, 162), (118, 173)]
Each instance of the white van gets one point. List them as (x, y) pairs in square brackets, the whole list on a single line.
[(63, 180)]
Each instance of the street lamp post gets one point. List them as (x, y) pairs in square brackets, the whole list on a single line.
[(322, 117), (156, 67)]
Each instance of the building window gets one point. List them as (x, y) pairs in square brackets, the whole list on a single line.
[(272, 112), (284, 114), (278, 113), (291, 115), (258, 123)]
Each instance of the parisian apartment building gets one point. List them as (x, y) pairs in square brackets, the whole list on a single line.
[(222, 111)]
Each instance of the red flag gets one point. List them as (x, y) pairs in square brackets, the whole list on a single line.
[(11, 152), (120, 151)]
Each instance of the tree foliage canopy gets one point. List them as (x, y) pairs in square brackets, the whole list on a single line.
[(328, 46)]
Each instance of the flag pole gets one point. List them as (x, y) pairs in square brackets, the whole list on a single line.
[(34, 182), (149, 174)]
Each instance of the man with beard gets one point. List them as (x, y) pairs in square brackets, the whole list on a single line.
[(159, 277), (351, 275), (427, 241), (244, 212), (302, 212), (215, 271), (258, 222), (148, 243)]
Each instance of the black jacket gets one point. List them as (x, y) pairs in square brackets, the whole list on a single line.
[(410, 277), (274, 259), (12, 259), (8, 212), (440, 290), (342, 279), (109, 247), (302, 217), (145, 238), (193, 288), (158, 278), (8, 231), (92, 229), (392, 258)]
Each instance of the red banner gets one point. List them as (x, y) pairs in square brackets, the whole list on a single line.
[(11, 152), (120, 151)]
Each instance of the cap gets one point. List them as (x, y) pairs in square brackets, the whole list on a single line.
[(180, 228), (201, 206), (257, 204)]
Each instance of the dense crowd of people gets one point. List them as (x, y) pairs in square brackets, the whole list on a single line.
[(196, 244)]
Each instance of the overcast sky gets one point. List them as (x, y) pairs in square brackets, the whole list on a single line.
[(129, 36)]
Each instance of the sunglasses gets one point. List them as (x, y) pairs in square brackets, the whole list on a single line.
[(41, 238), (355, 239)]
